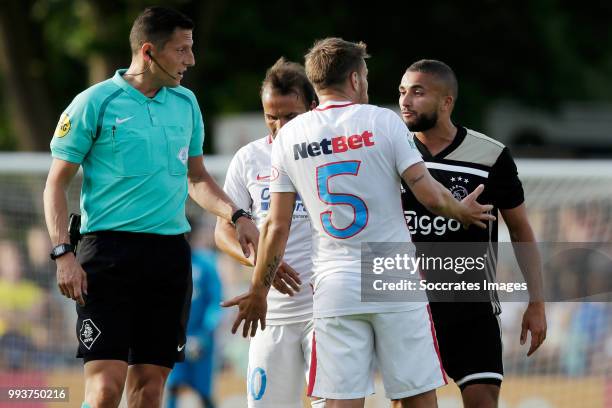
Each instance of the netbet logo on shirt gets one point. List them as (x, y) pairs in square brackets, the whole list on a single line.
[(338, 144)]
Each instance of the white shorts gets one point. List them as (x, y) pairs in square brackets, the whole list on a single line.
[(279, 362), (402, 343)]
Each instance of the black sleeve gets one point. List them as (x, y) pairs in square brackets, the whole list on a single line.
[(505, 188)]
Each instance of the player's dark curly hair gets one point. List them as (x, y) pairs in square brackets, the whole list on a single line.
[(287, 77)]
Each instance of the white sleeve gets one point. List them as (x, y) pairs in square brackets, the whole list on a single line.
[(280, 182), (236, 184), (402, 140)]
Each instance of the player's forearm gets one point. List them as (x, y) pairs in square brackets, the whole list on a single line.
[(529, 260), (227, 241), (433, 195), (272, 242), (56, 213), (208, 195)]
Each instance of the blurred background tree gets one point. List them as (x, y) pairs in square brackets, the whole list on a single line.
[(538, 52)]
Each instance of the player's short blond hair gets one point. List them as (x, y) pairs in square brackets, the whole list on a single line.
[(331, 60)]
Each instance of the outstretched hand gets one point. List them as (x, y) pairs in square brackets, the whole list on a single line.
[(476, 213), (252, 308)]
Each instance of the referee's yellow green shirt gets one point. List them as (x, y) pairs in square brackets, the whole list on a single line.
[(134, 152)]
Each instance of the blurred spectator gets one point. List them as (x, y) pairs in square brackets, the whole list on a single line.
[(196, 373), (586, 338), (42, 270), (21, 306), (38, 246), (3, 226)]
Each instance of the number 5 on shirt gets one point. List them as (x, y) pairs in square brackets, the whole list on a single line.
[(360, 217)]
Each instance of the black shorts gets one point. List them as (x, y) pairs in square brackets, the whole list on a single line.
[(139, 295), (470, 343)]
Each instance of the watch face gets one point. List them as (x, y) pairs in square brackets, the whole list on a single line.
[(60, 250)]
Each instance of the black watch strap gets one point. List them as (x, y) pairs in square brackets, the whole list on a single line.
[(240, 213), (60, 250)]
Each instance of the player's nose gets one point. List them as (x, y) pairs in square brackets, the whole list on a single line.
[(190, 60), (404, 100)]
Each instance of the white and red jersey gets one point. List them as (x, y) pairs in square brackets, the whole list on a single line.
[(345, 161), (247, 183)]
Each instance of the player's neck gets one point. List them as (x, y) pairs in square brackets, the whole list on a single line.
[(335, 95), (439, 137), (141, 78)]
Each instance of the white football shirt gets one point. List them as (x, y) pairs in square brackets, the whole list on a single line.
[(247, 183), (345, 161)]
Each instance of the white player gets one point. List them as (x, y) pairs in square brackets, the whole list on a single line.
[(345, 159), (285, 93)]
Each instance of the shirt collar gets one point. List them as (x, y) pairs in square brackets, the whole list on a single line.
[(141, 98), (333, 104)]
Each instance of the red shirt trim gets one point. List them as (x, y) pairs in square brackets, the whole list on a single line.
[(334, 106)]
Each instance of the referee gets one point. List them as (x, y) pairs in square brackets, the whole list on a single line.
[(460, 159), (138, 137)]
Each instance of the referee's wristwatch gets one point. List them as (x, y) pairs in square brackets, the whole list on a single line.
[(240, 213), (60, 250)]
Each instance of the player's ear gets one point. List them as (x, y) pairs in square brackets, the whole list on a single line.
[(355, 80), (146, 50), (448, 103)]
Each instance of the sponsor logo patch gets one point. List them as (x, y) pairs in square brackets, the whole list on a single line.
[(338, 144), (120, 121), (273, 173), (63, 126)]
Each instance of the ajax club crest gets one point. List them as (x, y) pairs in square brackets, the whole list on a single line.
[(459, 189)]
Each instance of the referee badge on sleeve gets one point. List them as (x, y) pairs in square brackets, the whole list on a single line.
[(63, 126)]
